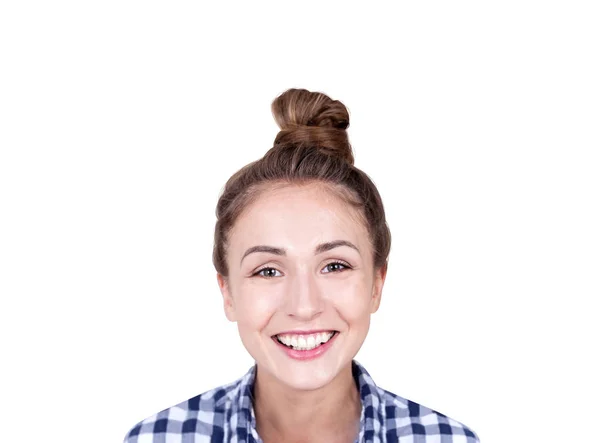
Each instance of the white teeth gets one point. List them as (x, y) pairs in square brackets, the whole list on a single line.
[(305, 343)]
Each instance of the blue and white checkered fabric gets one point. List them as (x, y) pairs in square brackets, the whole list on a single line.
[(225, 414)]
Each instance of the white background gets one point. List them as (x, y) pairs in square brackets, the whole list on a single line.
[(121, 121)]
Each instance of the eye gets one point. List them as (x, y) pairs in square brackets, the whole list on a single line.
[(336, 266), (267, 272)]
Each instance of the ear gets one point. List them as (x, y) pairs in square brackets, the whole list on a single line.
[(378, 282), (228, 303)]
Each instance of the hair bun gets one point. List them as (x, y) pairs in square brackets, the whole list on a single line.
[(312, 119)]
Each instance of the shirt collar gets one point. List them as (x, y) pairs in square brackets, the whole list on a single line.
[(372, 415)]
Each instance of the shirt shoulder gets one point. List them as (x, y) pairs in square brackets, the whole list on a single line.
[(202, 415), (408, 422)]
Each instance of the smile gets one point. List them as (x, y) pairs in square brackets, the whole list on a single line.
[(303, 342)]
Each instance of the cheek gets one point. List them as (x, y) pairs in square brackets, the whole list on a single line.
[(255, 306), (352, 300)]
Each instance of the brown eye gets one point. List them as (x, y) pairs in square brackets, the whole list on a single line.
[(336, 267), (267, 272)]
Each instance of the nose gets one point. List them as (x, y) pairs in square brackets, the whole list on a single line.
[(303, 299)]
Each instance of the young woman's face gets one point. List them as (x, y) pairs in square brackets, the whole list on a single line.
[(300, 262)]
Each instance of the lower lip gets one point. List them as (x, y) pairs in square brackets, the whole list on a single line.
[(307, 355)]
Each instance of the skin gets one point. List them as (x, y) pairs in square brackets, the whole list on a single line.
[(315, 400)]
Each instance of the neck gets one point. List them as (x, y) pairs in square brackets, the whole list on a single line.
[(287, 414)]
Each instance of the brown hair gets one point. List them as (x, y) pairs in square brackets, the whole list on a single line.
[(311, 146)]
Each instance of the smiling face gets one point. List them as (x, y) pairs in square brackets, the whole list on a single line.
[(300, 259)]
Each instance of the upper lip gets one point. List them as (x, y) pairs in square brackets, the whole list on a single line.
[(313, 331)]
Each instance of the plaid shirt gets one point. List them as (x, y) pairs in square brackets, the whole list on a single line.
[(225, 414)]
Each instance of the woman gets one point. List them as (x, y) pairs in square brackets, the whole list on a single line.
[(301, 249)]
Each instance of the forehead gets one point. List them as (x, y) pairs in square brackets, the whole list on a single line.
[(300, 215)]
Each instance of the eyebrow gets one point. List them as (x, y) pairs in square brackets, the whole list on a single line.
[(323, 247)]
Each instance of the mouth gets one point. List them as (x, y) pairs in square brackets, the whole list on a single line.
[(305, 342)]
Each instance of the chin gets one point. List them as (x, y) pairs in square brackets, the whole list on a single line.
[(303, 373), (306, 378), (307, 375)]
